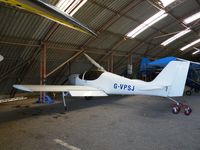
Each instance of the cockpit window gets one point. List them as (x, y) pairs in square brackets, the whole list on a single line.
[(92, 75)]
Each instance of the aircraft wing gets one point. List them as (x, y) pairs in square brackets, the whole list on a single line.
[(79, 91), (51, 12)]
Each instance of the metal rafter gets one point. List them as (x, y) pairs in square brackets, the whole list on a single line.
[(113, 19), (18, 66), (55, 27), (64, 63), (59, 46), (157, 30), (131, 18), (24, 70), (158, 54), (120, 41), (179, 21)]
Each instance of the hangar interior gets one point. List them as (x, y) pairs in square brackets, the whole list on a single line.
[(37, 50), (23, 35)]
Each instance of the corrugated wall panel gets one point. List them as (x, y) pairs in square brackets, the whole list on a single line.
[(70, 36)]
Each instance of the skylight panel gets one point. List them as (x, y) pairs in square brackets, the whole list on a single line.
[(196, 52), (173, 38), (165, 3), (145, 25), (192, 18), (70, 6), (189, 45)]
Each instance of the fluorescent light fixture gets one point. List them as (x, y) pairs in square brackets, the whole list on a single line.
[(70, 6), (173, 38), (165, 3), (197, 51), (149, 22), (192, 18), (189, 45)]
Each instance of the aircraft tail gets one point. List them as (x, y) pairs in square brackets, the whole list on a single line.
[(173, 76)]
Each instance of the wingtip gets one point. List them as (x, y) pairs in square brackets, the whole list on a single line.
[(21, 87)]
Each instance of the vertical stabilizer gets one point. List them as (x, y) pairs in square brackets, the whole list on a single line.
[(174, 76)]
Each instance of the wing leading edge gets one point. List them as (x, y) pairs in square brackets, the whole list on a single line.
[(51, 12), (79, 91)]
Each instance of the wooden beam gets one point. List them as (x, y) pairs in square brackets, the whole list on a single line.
[(64, 63)]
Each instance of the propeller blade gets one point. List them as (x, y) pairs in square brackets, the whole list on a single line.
[(94, 62)]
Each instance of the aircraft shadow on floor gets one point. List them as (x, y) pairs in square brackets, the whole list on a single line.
[(22, 111)]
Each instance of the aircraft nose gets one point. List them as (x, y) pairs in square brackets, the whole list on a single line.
[(72, 79)]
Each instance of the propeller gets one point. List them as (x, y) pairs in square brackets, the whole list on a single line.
[(1, 58), (94, 62)]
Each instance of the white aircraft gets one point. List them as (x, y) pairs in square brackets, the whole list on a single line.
[(169, 83)]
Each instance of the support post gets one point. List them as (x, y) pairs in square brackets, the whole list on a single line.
[(41, 75), (64, 101), (44, 67), (129, 66), (111, 63), (108, 64)]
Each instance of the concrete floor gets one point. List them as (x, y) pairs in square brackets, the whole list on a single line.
[(111, 123)]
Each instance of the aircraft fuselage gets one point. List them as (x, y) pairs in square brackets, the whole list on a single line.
[(113, 84)]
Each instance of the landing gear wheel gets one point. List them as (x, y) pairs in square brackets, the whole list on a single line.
[(175, 109), (187, 111), (188, 93)]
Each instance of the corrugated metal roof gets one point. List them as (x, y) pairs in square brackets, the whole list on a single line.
[(187, 7), (66, 35), (20, 24), (104, 41), (87, 13), (123, 26), (116, 5), (128, 45), (141, 16)]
